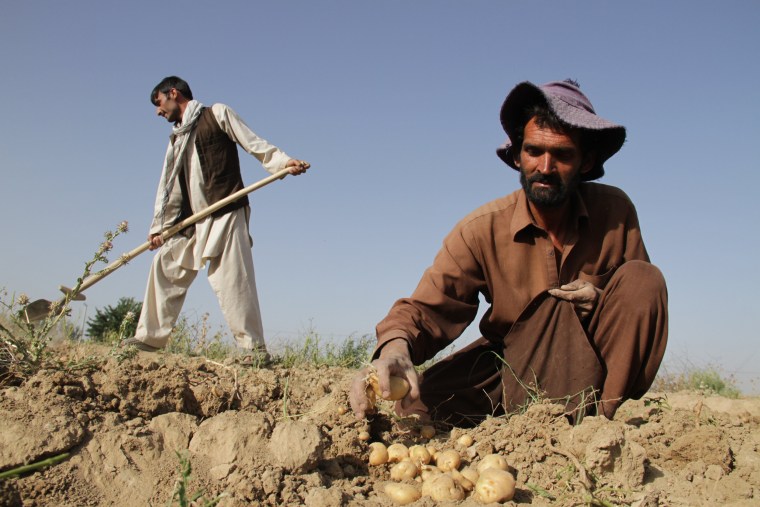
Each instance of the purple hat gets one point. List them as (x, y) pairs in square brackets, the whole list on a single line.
[(572, 107)]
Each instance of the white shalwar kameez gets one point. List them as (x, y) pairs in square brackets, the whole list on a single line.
[(223, 242)]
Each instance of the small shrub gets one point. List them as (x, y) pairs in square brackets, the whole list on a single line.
[(312, 350), (192, 339), (23, 341), (706, 379), (107, 326), (710, 380)]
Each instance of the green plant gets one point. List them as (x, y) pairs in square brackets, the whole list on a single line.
[(538, 490), (181, 495), (711, 381), (688, 377), (587, 399), (114, 323), (33, 467), (121, 354), (577, 485), (23, 341), (312, 350), (192, 339), (658, 402)]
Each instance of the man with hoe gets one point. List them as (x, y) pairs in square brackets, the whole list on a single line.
[(201, 167), (577, 312)]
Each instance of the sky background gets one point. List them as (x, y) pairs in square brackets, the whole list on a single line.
[(395, 104)]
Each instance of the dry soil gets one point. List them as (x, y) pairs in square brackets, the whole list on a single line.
[(279, 436)]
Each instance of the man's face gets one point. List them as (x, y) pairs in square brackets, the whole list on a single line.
[(551, 164), (167, 106)]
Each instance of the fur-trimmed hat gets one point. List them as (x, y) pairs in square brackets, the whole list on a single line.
[(572, 107)]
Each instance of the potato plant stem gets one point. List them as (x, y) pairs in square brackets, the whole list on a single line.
[(34, 466)]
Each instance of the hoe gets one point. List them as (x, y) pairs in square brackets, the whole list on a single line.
[(39, 309)]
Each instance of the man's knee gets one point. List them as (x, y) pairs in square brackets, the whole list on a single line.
[(640, 280), (641, 270)]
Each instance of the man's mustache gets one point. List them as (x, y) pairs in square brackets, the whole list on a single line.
[(548, 179)]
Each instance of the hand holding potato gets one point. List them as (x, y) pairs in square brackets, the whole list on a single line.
[(394, 361)]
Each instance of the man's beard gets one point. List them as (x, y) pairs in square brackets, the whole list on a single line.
[(552, 197)]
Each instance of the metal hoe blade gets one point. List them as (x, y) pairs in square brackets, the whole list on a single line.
[(41, 308)]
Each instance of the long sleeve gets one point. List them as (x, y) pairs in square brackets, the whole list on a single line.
[(271, 157), (444, 303)]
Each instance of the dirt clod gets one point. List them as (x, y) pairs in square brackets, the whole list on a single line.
[(296, 446)]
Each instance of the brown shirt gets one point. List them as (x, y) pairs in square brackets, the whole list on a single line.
[(500, 252)]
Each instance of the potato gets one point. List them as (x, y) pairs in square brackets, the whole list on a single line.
[(364, 436), (427, 481), (442, 488), (492, 461), (399, 387), (419, 455), (470, 474), (427, 431), (448, 460), (494, 485), (465, 440), (397, 452), (378, 454), (428, 471), (404, 470), (371, 398), (465, 483), (402, 493)]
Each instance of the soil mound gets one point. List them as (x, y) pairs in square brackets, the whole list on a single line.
[(285, 437)]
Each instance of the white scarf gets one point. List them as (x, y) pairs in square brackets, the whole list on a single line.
[(174, 160)]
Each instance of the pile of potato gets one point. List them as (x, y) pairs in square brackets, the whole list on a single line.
[(419, 470)]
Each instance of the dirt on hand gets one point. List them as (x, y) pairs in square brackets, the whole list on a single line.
[(286, 437)]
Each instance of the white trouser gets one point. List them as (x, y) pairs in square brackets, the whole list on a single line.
[(230, 275)]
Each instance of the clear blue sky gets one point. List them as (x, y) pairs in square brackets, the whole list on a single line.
[(396, 105)]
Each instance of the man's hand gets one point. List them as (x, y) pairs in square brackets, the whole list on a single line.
[(583, 295), (155, 241), (394, 360), (297, 167)]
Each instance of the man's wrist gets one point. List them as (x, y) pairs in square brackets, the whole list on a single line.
[(396, 344)]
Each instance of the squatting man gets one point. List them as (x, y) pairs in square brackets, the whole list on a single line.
[(202, 167), (577, 312)]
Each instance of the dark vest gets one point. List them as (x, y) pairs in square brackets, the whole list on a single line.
[(220, 166)]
